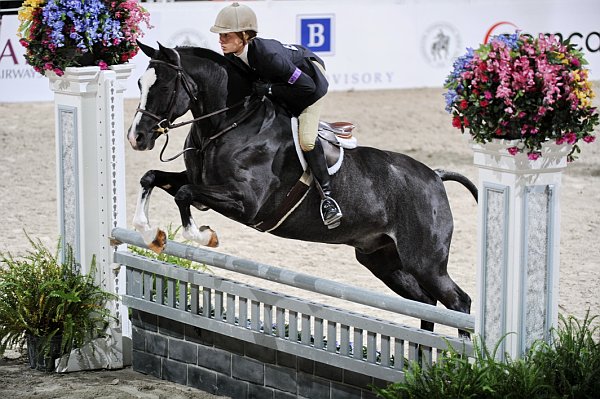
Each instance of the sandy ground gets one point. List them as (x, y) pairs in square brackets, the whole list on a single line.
[(410, 121)]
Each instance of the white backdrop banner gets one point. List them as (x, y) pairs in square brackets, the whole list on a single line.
[(366, 45)]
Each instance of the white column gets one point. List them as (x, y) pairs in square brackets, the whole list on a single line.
[(518, 245), (91, 174)]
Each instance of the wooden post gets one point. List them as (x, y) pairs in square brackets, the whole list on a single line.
[(91, 182), (519, 245)]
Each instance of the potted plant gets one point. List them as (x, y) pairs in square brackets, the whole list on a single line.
[(529, 89), (74, 33), (48, 304)]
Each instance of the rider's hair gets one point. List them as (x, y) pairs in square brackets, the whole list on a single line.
[(246, 36)]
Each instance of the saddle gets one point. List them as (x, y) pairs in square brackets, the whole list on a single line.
[(334, 137)]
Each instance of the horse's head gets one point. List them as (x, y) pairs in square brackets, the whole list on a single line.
[(167, 92)]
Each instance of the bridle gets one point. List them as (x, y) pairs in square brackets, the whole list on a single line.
[(183, 79)]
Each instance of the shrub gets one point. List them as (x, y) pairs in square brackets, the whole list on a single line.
[(569, 367)]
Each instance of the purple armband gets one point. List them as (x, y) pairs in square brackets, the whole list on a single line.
[(295, 76)]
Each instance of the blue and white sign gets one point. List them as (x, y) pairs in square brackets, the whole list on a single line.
[(316, 32)]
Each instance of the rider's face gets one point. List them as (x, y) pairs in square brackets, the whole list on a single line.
[(231, 43)]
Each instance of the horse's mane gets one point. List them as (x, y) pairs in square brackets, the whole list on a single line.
[(202, 52), (205, 53)]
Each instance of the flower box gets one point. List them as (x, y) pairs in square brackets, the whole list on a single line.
[(530, 89), (74, 33)]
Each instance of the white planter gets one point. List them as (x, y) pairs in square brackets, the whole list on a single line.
[(518, 244)]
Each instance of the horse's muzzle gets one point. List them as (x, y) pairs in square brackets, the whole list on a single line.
[(142, 141)]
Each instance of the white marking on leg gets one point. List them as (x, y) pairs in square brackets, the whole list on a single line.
[(202, 237), (146, 82), (140, 217)]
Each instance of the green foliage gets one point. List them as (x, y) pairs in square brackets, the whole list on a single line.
[(572, 364), (44, 297), (567, 368)]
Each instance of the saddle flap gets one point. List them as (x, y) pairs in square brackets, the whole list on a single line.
[(343, 129)]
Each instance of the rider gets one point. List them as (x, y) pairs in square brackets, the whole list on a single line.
[(290, 74)]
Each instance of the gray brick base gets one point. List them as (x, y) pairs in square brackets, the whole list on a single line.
[(241, 370)]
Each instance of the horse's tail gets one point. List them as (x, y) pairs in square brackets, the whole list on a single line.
[(446, 175)]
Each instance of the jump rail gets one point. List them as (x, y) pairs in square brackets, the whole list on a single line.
[(378, 348), (307, 282)]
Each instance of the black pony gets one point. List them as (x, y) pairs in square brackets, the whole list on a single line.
[(241, 162)]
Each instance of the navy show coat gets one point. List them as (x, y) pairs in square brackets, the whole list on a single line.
[(296, 81)]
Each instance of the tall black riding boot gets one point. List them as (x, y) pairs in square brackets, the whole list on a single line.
[(330, 211)]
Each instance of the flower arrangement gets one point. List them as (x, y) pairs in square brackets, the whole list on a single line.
[(64, 33), (517, 86)]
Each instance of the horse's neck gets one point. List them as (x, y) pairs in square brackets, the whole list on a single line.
[(222, 87)]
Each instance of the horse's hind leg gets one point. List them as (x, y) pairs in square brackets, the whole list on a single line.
[(430, 270), (385, 264)]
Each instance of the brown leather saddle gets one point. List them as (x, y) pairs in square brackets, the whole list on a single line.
[(332, 136)]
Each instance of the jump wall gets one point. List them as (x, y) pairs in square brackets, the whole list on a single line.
[(226, 366)]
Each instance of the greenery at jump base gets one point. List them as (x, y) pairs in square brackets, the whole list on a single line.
[(567, 368), (46, 302)]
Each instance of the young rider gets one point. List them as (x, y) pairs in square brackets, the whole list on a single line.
[(289, 74)]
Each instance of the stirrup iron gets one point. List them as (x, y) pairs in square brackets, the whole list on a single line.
[(333, 222)]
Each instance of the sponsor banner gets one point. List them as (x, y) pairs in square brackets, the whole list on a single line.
[(366, 45)]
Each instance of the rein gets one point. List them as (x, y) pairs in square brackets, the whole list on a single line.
[(210, 139), (183, 79)]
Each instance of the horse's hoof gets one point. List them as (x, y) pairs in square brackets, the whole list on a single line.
[(158, 244), (213, 241)]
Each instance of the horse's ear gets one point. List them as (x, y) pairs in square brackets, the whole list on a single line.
[(170, 55), (149, 51)]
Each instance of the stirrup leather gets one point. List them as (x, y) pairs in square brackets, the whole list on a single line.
[(333, 221)]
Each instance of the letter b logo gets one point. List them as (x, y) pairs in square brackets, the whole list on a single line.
[(316, 33)]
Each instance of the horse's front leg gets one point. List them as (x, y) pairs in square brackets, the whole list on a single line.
[(185, 197), (171, 182)]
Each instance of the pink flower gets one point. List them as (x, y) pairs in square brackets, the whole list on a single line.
[(487, 95), (533, 156), (103, 65), (571, 138), (513, 151), (589, 139), (59, 72)]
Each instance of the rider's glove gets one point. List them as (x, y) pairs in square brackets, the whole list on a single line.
[(262, 89)]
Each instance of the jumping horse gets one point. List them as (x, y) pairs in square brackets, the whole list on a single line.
[(241, 162)]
